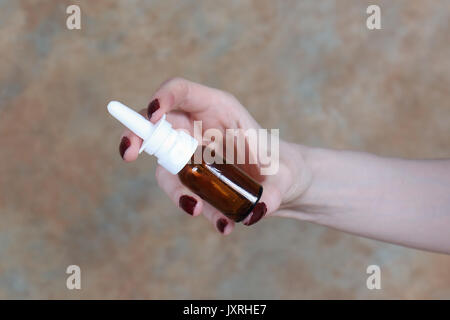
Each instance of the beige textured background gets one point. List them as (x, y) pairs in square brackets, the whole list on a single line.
[(310, 68)]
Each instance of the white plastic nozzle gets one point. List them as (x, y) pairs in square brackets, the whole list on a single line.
[(130, 119), (173, 148)]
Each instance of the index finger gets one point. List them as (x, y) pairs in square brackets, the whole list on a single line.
[(184, 95)]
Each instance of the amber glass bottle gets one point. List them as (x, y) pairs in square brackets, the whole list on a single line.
[(224, 186)]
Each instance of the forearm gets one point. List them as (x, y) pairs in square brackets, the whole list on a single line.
[(400, 201)]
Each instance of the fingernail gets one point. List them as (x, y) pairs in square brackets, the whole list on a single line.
[(258, 212), (152, 107), (187, 204), (124, 144), (221, 224)]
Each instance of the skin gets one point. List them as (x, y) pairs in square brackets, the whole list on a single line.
[(406, 202)]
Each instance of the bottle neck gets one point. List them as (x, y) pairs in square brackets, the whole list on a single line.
[(173, 148)]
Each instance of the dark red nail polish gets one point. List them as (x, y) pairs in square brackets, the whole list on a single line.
[(152, 107), (221, 224), (187, 204), (124, 145), (258, 212)]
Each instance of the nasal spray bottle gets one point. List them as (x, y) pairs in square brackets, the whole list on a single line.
[(223, 185)]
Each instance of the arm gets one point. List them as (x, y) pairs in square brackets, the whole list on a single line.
[(406, 202), (401, 201)]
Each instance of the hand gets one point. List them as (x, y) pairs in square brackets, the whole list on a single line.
[(184, 102)]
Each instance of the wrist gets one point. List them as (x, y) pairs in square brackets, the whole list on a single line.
[(296, 173), (310, 194)]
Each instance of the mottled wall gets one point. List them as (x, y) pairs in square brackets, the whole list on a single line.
[(310, 68)]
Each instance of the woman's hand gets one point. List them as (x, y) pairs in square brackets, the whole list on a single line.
[(184, 102)]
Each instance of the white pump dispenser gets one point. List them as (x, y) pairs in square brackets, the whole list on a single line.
[(173, 148)]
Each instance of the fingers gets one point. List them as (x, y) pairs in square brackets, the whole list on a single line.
[(185, 95), (190, 202), (129, 146), (130, 143), (222, 224), (270, 201), (180, 195), (189, 97)]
